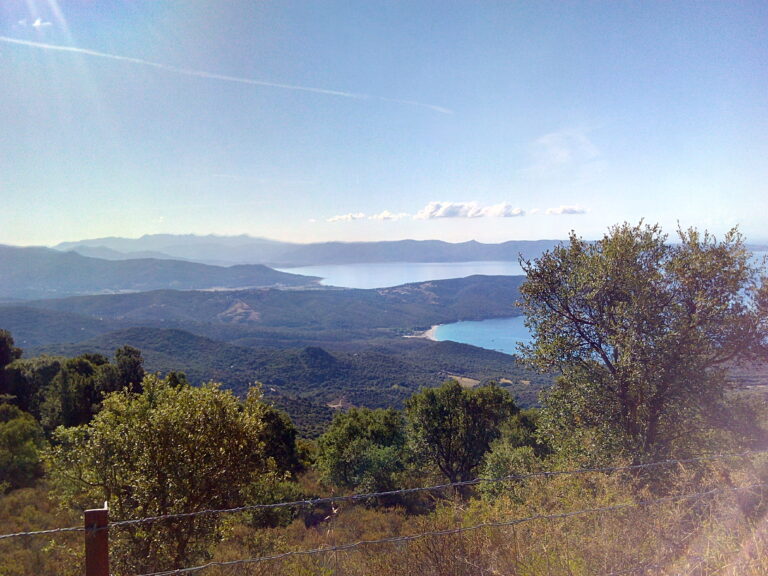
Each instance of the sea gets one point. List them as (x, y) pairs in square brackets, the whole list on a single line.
[(500, 334), (386, 274)]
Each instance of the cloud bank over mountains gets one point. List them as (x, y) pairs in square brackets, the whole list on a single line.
[(439, 210)]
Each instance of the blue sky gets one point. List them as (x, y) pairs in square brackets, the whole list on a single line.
[(312, 121)]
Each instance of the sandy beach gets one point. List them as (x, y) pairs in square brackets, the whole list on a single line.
[(428, 334)]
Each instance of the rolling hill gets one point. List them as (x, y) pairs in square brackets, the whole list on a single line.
[(270, 317)]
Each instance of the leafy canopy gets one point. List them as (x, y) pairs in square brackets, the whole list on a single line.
[(168, 449), (641, 331), (363, 449), (452, 428), (21, 439)]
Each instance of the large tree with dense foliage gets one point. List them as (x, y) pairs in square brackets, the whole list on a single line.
[(641, 331), (451, 428), (169, 449), (363, 449)]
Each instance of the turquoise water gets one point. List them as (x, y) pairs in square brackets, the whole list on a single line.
[(386, 274), (500, 334)]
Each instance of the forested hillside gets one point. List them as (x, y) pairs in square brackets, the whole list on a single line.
[(297, 379), (269, 317)]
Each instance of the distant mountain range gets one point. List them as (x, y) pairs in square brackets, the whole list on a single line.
[(190, 262), (228, 250), (29, 273)]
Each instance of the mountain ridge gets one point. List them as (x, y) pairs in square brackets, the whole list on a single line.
[(213, 249)]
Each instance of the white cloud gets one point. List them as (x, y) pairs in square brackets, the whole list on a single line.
[(449, 210), (435, 210), (503, 210), (347, 217), (387, 215), (566, 210)]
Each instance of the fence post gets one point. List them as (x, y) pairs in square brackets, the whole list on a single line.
[(97, 542)]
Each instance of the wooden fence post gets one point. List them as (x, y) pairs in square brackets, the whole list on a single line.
[(97, 542)]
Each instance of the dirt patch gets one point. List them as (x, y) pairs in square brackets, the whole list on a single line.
[(464, 381)]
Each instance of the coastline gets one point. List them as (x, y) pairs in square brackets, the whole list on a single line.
[(430, 334)]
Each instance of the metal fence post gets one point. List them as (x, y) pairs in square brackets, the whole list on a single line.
[(97, 542)]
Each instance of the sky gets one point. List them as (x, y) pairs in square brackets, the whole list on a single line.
[(381, 120)]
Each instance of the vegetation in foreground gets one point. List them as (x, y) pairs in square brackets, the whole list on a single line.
[(641, 333)]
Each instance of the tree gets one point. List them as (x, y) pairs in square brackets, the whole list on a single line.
[(68, 391), (166, 450), (452, 427), (8, 353), (26, 380), (279, 437), (363, 450), (74, 394), (130, 366), (640, 331), (21, 439)]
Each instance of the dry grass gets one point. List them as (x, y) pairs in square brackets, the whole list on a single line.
[(726, 534), (723, 535)]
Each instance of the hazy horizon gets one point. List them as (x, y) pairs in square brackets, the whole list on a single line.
[(760, 242)]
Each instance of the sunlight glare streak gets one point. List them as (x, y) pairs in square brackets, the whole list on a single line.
[(87, 84), (60, 20), (222, 77)]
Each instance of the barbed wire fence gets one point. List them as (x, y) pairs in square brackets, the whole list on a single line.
[(97, 526), (451, 531)]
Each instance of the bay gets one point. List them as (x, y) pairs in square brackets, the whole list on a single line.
[(387, 274), (500, 334)]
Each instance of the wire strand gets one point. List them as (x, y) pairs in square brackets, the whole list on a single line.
[(42, 532), (451, 531)]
